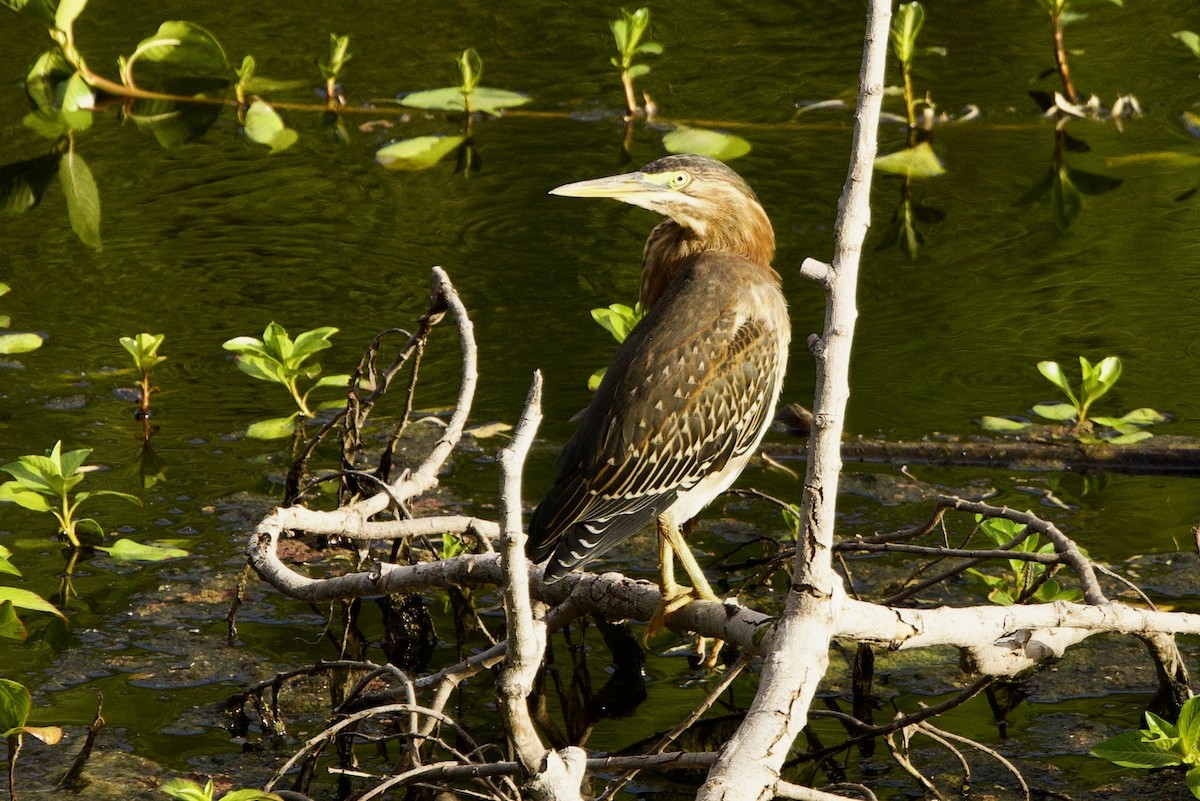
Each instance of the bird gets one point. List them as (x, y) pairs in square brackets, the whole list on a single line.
[(691, 391)]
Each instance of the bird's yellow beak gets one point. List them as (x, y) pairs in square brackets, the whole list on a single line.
[(618, 187)]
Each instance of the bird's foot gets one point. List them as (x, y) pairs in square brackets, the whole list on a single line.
[(674, 598)]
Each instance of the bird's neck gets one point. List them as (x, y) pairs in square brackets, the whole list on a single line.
[(671, 244)]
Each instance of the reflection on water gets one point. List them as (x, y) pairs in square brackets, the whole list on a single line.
[(214, 239)]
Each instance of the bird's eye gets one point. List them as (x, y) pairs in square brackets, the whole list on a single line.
[(679, 180)]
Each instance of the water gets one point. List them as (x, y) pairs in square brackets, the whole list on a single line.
[(215, 239)]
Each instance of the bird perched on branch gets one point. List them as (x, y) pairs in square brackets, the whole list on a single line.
[(692, 389)]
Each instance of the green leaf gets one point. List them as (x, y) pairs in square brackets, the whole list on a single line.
[(185, 49), (125, 550), (1129, 750), (1188, 726), (265, 127), (595, 378), (906, 24), (67, 12), (341, 380), (125, 496), (188, 790), (618, 319), (275, 428), (24, 599), (83, 198), (20, 343), (1193, 781), (6, 565), (263, 368), (470, 70), (717, 145), (451, 98), (47, 78), (1057, 410), (310, 342), (992, 423), (1144, 416), (11, 627), (144, 350), (77, 95), (13, 492), (638, 70), (15, 705), (1055, 375), (1190, 40), (250, 795), (1130, 438), (419, 153), (915, 162)]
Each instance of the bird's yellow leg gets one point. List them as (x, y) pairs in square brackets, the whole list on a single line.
[(700, 587)]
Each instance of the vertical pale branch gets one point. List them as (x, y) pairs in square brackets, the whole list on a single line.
[(554, 776), (749, 766)]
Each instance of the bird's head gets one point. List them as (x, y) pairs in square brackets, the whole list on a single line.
[(697, 192)]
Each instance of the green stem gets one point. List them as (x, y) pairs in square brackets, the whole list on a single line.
[(300, 399), (67, 524), (630, 100)]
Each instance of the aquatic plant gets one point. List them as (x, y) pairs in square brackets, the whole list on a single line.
[(627, 33), (1025, 581), (45, 484), (1161, 744), (331, 68), (279, 359), (1063, 12), (144, 350), (1096, 381), (618, 320)]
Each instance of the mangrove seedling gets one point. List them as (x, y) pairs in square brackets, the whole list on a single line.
[(618, 320), (188, 790), (16, 704), (1161, 744), (331, 70), (144, 350), (1061, 13), (627, 33), (1026, 582), (1096, 381), (45, 484), (280, 360)]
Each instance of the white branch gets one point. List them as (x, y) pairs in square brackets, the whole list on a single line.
[(750, 763)]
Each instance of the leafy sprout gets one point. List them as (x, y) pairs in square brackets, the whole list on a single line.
[(627, 34), (144, 350), (281, 360), (1161, 744), (46, 483), (331, 69), (188, 790), (1096, 381), (618, 320), (1025, 581)]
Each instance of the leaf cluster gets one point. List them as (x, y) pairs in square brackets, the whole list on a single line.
[(1160, 745), (627, 33), (144, 350), (1096, 381), (279, 359), (188, 790), (618, 320), (1025, 582)]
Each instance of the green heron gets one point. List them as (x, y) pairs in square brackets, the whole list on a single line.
[(692, 389)]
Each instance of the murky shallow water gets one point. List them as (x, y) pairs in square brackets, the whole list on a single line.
[(215, 239)]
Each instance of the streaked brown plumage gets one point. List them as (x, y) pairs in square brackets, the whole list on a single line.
[(692, 390)]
